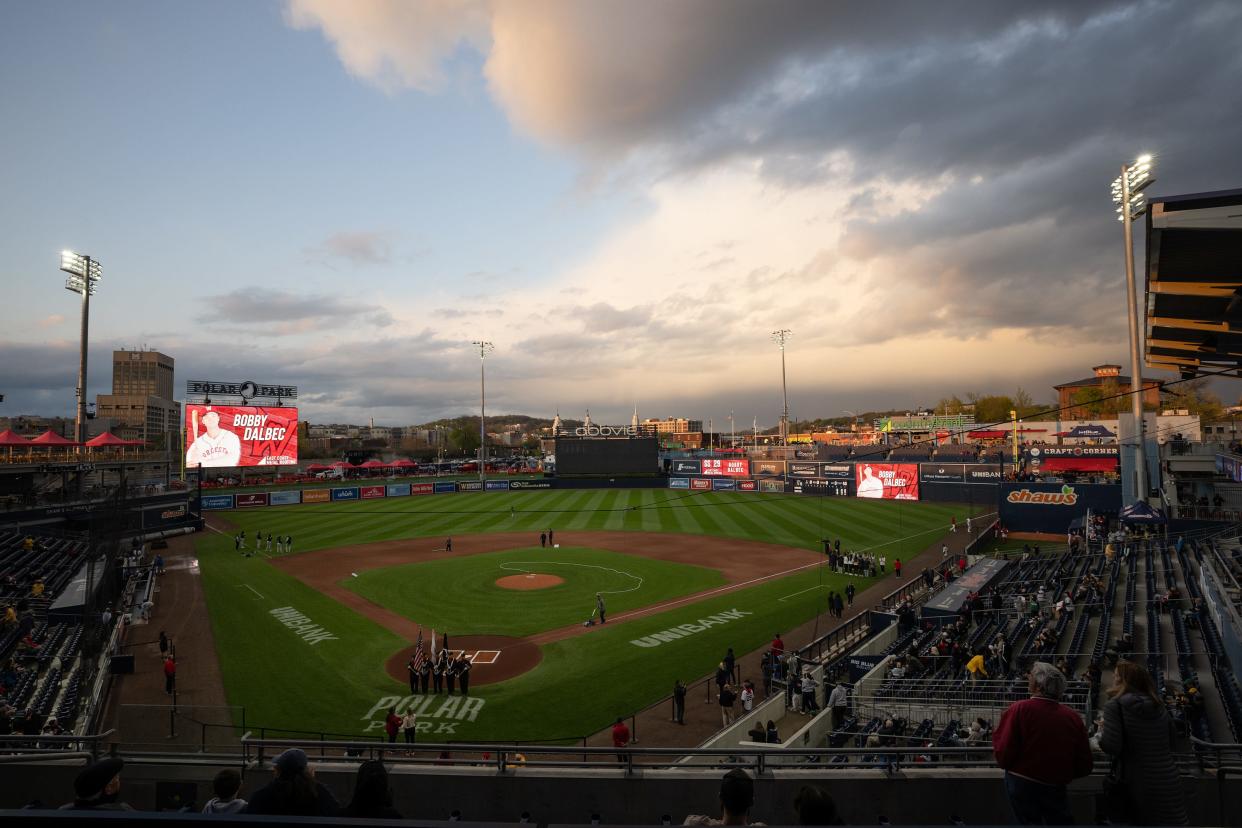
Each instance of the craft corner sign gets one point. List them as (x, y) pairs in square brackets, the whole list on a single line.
[(1065, 497), (683, 630)]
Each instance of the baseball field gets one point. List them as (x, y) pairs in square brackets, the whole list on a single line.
[(319, 640)]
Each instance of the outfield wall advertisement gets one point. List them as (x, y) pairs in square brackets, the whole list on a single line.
[(890, 481), (725, 467), (213, 502), (229, 436), (284, 498), (316, 495), (251, 500), (371, 492)]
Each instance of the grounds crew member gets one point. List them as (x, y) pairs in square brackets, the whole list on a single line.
[(599, 605)]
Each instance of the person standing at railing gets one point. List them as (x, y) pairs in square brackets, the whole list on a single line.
[(1042, 746), (620, 737)]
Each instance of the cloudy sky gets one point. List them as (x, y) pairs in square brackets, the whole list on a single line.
[(625, 198)]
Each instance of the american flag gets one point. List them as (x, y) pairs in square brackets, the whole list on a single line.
[(419, 655)]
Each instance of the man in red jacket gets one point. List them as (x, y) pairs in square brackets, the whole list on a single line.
[(170, 675), (1042, 745), (620, 737)]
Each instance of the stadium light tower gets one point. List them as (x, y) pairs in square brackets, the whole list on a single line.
[(780, 337), (1127, 192), (485, 348), (84, 274)]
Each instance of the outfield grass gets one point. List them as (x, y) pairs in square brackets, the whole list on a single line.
[(459, 594), (583, 682)]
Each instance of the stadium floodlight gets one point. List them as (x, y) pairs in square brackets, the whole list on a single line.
[(84, 274), (780, 337), (485, 348), (1127, 193)]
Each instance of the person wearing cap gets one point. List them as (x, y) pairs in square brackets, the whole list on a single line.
[(737, 795), (97, 787), (294, 791)]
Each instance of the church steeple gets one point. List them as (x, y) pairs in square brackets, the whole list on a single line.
[(556, 423), (634, 419), (587, 422)]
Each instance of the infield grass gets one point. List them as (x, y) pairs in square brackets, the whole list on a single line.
[(460, 595), (340, 685)]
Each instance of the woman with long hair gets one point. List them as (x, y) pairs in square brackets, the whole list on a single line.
[(1138, 733), (372, 794)]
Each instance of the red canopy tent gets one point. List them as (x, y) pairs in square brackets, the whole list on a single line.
[(341, 464), (51, 438), (110, 440), (402, 463), (374, 464), (9, 438), (317, 467)]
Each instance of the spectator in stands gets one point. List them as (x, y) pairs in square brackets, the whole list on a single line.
[(620, 737), (839, 704), (37, 588), (816, 807), (737, 795), (757, 733), (294, 791), (1138, 734), (163, 644), (975, 667), (722, 678), (730, 664), (97, 788), (1042, 746), (1122, 650), (170, 675), (10, 616), (747, 696), (226, 786), (392, 724), (778, 650), (372, 797), (409, 723), (774, 737), (810, 705)]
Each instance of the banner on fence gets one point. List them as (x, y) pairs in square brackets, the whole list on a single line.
[(423, 488), (316, 495), (724, 485), (398, 489), (726, 467), (214, 502), (700, 484), (746, 485), (470, 486), (942, 472), (686, 467), (496, 485), (284, 498), (444, 487), (250, 500), (772, 486), (530, 484), (679, 482), (372, 492), (348, 493), (797, 469), (767, 468)]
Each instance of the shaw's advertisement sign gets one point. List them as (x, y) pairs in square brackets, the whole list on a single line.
[(890, 481), (1065, 497), (726, 467)]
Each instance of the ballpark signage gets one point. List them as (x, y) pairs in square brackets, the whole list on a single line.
[(772, 486), (245, 501), (803, 469), (228, 436), (350, 493), (679, 482), (683, 630), (496, 485), (470, 486), (422, 488), (700, 484), (820, 486), (747, 485), (284, 498), (1072, 451), (942, 472), (1065, 497), (306, 629), (398, 489), (443, 487), (983, 473), (768, 468), (372, 492), (687, 467), (246, 390), (839, 471), (530, 484), (217, 502), (606, 431), (447, 713), (726, 467), (890, 481), (316, 495), (724, 485)]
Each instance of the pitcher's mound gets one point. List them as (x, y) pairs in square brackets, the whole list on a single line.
[(530, 580)]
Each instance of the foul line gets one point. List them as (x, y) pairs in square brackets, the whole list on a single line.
[(799, 592), (512, 566), (252, 589), (972, 535)]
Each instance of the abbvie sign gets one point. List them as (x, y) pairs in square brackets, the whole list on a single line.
[(606, 431)]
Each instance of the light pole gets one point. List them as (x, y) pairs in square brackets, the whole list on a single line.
[(1127, 192), (485, 348), (84, 273), (780, 337)]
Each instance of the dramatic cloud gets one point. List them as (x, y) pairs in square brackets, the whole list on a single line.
[(361, 248), (273, 312)]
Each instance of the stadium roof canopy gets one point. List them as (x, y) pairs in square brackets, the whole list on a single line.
[(1194, 282)]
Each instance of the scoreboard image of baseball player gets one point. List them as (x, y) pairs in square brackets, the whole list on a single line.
[(227, 436)]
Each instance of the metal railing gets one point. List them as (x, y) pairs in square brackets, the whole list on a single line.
[(19, 747)]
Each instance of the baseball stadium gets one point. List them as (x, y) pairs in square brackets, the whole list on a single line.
[(933, 517)]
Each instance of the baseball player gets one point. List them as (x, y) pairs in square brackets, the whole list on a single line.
[(216, 447)]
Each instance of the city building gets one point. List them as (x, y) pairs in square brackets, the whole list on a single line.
[(672, 425), (1106, 382), (141, 403)]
